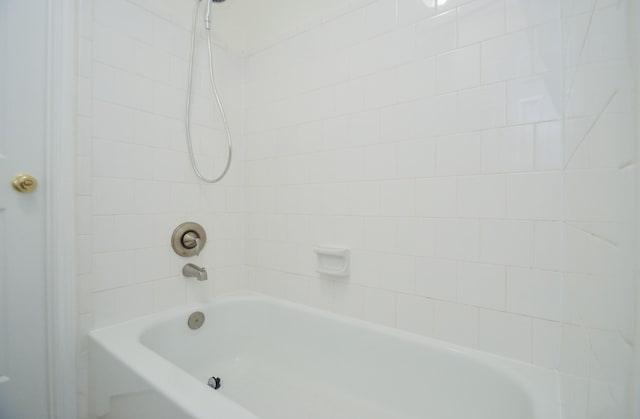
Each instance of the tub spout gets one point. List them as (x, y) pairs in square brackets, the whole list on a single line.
[(194, 271)]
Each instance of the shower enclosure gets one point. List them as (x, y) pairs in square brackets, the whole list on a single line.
[(477, 157)]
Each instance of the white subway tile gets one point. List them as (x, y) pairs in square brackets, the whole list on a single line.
[(509, 149), (364, 198), (456, 323), (595, 195), (458, 69), (171, 38), (364, 128), (600, 302), (548, 251), (482, 196), (349, 96), (611, 357), (125, 17), (535, 196), (348, 299), (104, 308), (417, 158), (416, 79), (169, 293), (112, 270), (335, 133), (459, 155), (547, 341), (458, 239), (410, 11), (482, 285), (152, 263), (398, 198), (380, 161), (522, 14), (380, 234), (134, 301), (480, 20), (379, 306), (506, 242), (113, 196), (122, 88), (167, 101), (400, 122), (535, 99), (436, 197), (548, 145), (444, 5), (548, 52), (483, 107), (388, 50), (534, 293), (414, 314), (380, 17), (507, 57), (506, 334), (113, 48), (416, 236), (587, 250), (381, 89), (436, 35), (397, 273), (436, 278)]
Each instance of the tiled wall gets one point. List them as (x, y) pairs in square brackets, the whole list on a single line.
[(135, 184), (427, 139), (477, 157), (599, 193)]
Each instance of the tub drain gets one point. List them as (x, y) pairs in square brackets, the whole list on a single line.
[(214, 383)]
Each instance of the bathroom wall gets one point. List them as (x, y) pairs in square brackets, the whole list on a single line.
[(135, 184), (600, 164), (428, 140), (477, 157)]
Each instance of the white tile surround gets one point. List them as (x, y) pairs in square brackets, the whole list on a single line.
[(135, 184), (431, 147), (477, 156)]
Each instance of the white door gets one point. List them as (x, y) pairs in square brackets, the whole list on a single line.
[(23, 323)]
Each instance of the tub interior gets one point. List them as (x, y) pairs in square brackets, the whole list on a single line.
[(281, 363)]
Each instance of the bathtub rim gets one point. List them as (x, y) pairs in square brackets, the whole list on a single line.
[(123, 341)]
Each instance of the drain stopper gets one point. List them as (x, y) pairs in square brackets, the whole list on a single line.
[(214, 383)]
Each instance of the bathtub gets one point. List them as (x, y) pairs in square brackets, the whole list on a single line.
[(279, 360)]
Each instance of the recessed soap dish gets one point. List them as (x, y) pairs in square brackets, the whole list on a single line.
[(333, 261)]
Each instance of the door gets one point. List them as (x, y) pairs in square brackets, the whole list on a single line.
[(23, 127)]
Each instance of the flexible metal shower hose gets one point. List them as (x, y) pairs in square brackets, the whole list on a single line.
[(212, 81)]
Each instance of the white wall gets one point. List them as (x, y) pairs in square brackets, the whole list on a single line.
[(135, 184), (480, 172), (483, 205), (599, 195), (429, 142)]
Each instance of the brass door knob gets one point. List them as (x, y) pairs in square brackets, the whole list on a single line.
[(24, 183)]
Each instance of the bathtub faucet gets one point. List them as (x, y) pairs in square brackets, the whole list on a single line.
[(194, 271)]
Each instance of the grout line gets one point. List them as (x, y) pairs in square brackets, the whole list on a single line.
[(594, 235), (591, 126)]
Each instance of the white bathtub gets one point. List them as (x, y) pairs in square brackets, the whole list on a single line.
[(279, 360)]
